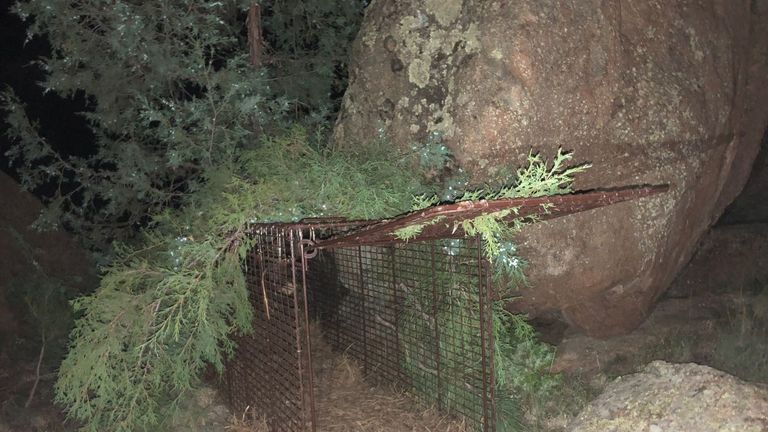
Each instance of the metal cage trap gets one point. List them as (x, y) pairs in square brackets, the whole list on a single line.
[(416, 314)]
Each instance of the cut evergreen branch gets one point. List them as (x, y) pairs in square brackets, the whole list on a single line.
[(521, 363), (292, 178), (538, 178), (169, 305), (160, 315)]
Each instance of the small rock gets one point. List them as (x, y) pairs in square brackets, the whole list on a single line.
[(677, 398)]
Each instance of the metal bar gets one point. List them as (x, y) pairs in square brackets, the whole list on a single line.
[(598, 198), (396, 300), (437, 328), (546, 207), (304, 266), (331, 223), (337, 321), (483, 331), (491, 341), (361, 278), (262, 277), (296, 315)]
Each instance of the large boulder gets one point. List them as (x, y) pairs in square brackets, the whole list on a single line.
[(667, 397), (648, 91)]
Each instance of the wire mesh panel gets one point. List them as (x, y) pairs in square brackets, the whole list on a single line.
[(415, 314), (270, 374)]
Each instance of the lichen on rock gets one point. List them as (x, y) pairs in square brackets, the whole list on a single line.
[(445, 11), (418, 72), (676, 397)]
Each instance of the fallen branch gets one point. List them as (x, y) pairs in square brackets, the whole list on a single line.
[(37, 372)]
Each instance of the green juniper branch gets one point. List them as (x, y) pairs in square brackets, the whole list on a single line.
[(536, 179), (170, 304)]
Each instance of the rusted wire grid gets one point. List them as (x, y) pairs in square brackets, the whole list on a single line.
[(362, 289), (416, 314), (442, 330), (422, 303), (271, 370)]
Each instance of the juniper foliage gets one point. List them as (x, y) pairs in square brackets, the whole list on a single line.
[(538, 178), (171, 95), (309, 44), (521, 363), (168, 306)]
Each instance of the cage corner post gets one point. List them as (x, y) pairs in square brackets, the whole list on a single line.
[(485, 303), (305, 254)]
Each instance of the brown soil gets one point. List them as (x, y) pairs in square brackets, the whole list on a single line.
[(16, 382), (345, 401)]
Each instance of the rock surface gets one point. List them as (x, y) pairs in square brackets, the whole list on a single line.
[(676, 330), (728, 257), (751, 206), (648, 91), (668, 397)]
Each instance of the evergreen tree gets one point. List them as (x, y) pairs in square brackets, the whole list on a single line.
[(309, 46), (171, 95)]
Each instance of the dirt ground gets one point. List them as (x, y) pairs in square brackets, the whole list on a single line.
[(345, 401), (16, 382), (725, 283)]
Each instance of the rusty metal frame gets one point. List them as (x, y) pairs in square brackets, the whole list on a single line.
[(270, 373), (543, 208), (353, 278)]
